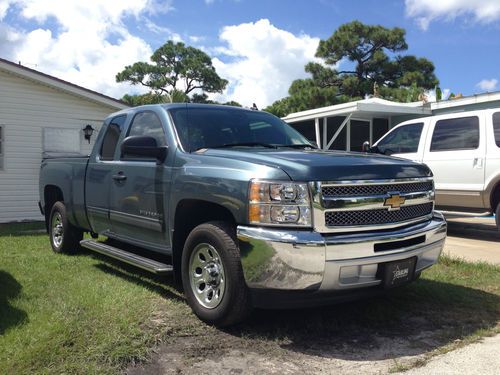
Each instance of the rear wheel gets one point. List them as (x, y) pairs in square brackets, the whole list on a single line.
[(64, 237), (212, 276), (497, 216)]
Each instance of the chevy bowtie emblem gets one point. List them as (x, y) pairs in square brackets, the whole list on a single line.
[(394, 202)]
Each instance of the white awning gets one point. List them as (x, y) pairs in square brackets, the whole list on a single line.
[(366, 108)]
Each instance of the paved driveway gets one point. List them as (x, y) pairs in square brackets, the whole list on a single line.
[(474, 239)]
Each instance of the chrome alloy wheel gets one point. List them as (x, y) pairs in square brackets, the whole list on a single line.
[(57, 230), (206, 275)]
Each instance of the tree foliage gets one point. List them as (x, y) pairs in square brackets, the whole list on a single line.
[(175, 69), (374, 66)]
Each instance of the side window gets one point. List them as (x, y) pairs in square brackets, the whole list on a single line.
[(148, 124), (402, 140), (456, 134), (111, 137), (2, 142), (496, 127)]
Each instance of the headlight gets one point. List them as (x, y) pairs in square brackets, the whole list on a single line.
[(285, 203)]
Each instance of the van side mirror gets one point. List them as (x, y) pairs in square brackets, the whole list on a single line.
[(144, 146), (366, 146)]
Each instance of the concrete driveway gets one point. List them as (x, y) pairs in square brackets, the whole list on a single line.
[(474, 239)]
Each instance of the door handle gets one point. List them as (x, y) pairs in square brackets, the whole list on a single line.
[(119, 177), (478, 163)]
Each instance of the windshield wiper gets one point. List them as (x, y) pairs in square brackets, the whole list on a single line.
[(248, 144), (299, 145)]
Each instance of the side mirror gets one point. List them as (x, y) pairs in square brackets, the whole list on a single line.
[(143, 146), (366, 146)]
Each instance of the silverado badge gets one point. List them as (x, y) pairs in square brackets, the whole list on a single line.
[(394, 202)]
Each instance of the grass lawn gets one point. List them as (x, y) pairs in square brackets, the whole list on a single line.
[(86, 314)]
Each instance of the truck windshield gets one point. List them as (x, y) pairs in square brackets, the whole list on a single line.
[(218, 127)]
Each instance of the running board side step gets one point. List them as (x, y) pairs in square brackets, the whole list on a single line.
[(127, 257)]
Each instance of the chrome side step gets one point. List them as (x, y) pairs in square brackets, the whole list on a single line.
[(127, 257)]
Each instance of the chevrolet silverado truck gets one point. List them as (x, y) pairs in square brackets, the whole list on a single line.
[(242, 209)]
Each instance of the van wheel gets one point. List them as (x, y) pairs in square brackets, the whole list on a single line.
[(497, 215), (212, 276), (64, 237)]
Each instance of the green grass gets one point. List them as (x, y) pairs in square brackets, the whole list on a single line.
[(75, 314), (85, 314)]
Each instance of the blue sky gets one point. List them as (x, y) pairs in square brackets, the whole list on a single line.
[(259, 46)]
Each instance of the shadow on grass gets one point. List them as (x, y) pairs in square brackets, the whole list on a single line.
[(147, 280), (9, 316), (23, 229), (408, 321)]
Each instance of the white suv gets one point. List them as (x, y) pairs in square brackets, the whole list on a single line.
[(463, 152)]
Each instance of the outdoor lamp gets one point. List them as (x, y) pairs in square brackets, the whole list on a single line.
[(87, 131)]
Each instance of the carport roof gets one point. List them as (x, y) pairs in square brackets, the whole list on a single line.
[(366, 108)]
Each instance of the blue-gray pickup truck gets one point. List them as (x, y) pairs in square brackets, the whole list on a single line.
[(243, 209)]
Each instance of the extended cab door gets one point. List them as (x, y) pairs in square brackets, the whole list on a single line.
[(405, 141), (455, 151), (139, 190), (98, 183)]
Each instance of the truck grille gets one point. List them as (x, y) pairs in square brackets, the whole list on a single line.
[(376, 217), (368, 190), (349, 206)]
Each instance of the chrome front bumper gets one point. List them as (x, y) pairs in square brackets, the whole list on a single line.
[(304, 260)]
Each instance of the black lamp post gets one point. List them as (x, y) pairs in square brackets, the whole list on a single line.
[(87, 132)]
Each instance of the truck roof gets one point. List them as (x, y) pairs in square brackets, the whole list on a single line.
[(168, 106)]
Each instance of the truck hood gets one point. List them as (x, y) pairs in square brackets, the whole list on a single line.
[(319, 165)]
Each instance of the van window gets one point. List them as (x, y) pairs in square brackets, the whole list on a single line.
[(402, 140), (111, 137), (496, 127), (456, 134)]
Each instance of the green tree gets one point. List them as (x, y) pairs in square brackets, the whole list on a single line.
[(175, 69), (371, 54)]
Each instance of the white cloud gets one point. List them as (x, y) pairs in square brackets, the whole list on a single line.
[(90, 44), (426, 11), (261, 61), (487, 84)]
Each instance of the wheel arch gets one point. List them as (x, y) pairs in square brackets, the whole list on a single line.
[(51, 195), (189, 213)]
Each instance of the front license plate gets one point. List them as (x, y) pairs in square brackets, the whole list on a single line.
[(399, 272)]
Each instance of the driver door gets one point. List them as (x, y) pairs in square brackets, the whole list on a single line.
[(139, 188)]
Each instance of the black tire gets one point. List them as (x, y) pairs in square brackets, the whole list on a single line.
[(64, 237), (233, 306), (497, 215)]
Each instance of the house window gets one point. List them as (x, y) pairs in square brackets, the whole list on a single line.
[(2, 146)]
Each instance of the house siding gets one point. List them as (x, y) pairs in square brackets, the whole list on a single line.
[(26, 108)]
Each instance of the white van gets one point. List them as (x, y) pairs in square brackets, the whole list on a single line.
[(463, 152)]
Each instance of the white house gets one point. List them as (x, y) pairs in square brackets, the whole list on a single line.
[(40, 114)]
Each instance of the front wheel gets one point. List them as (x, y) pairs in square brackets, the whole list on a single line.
[(212, 276), (64, 237), (497, 216)]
